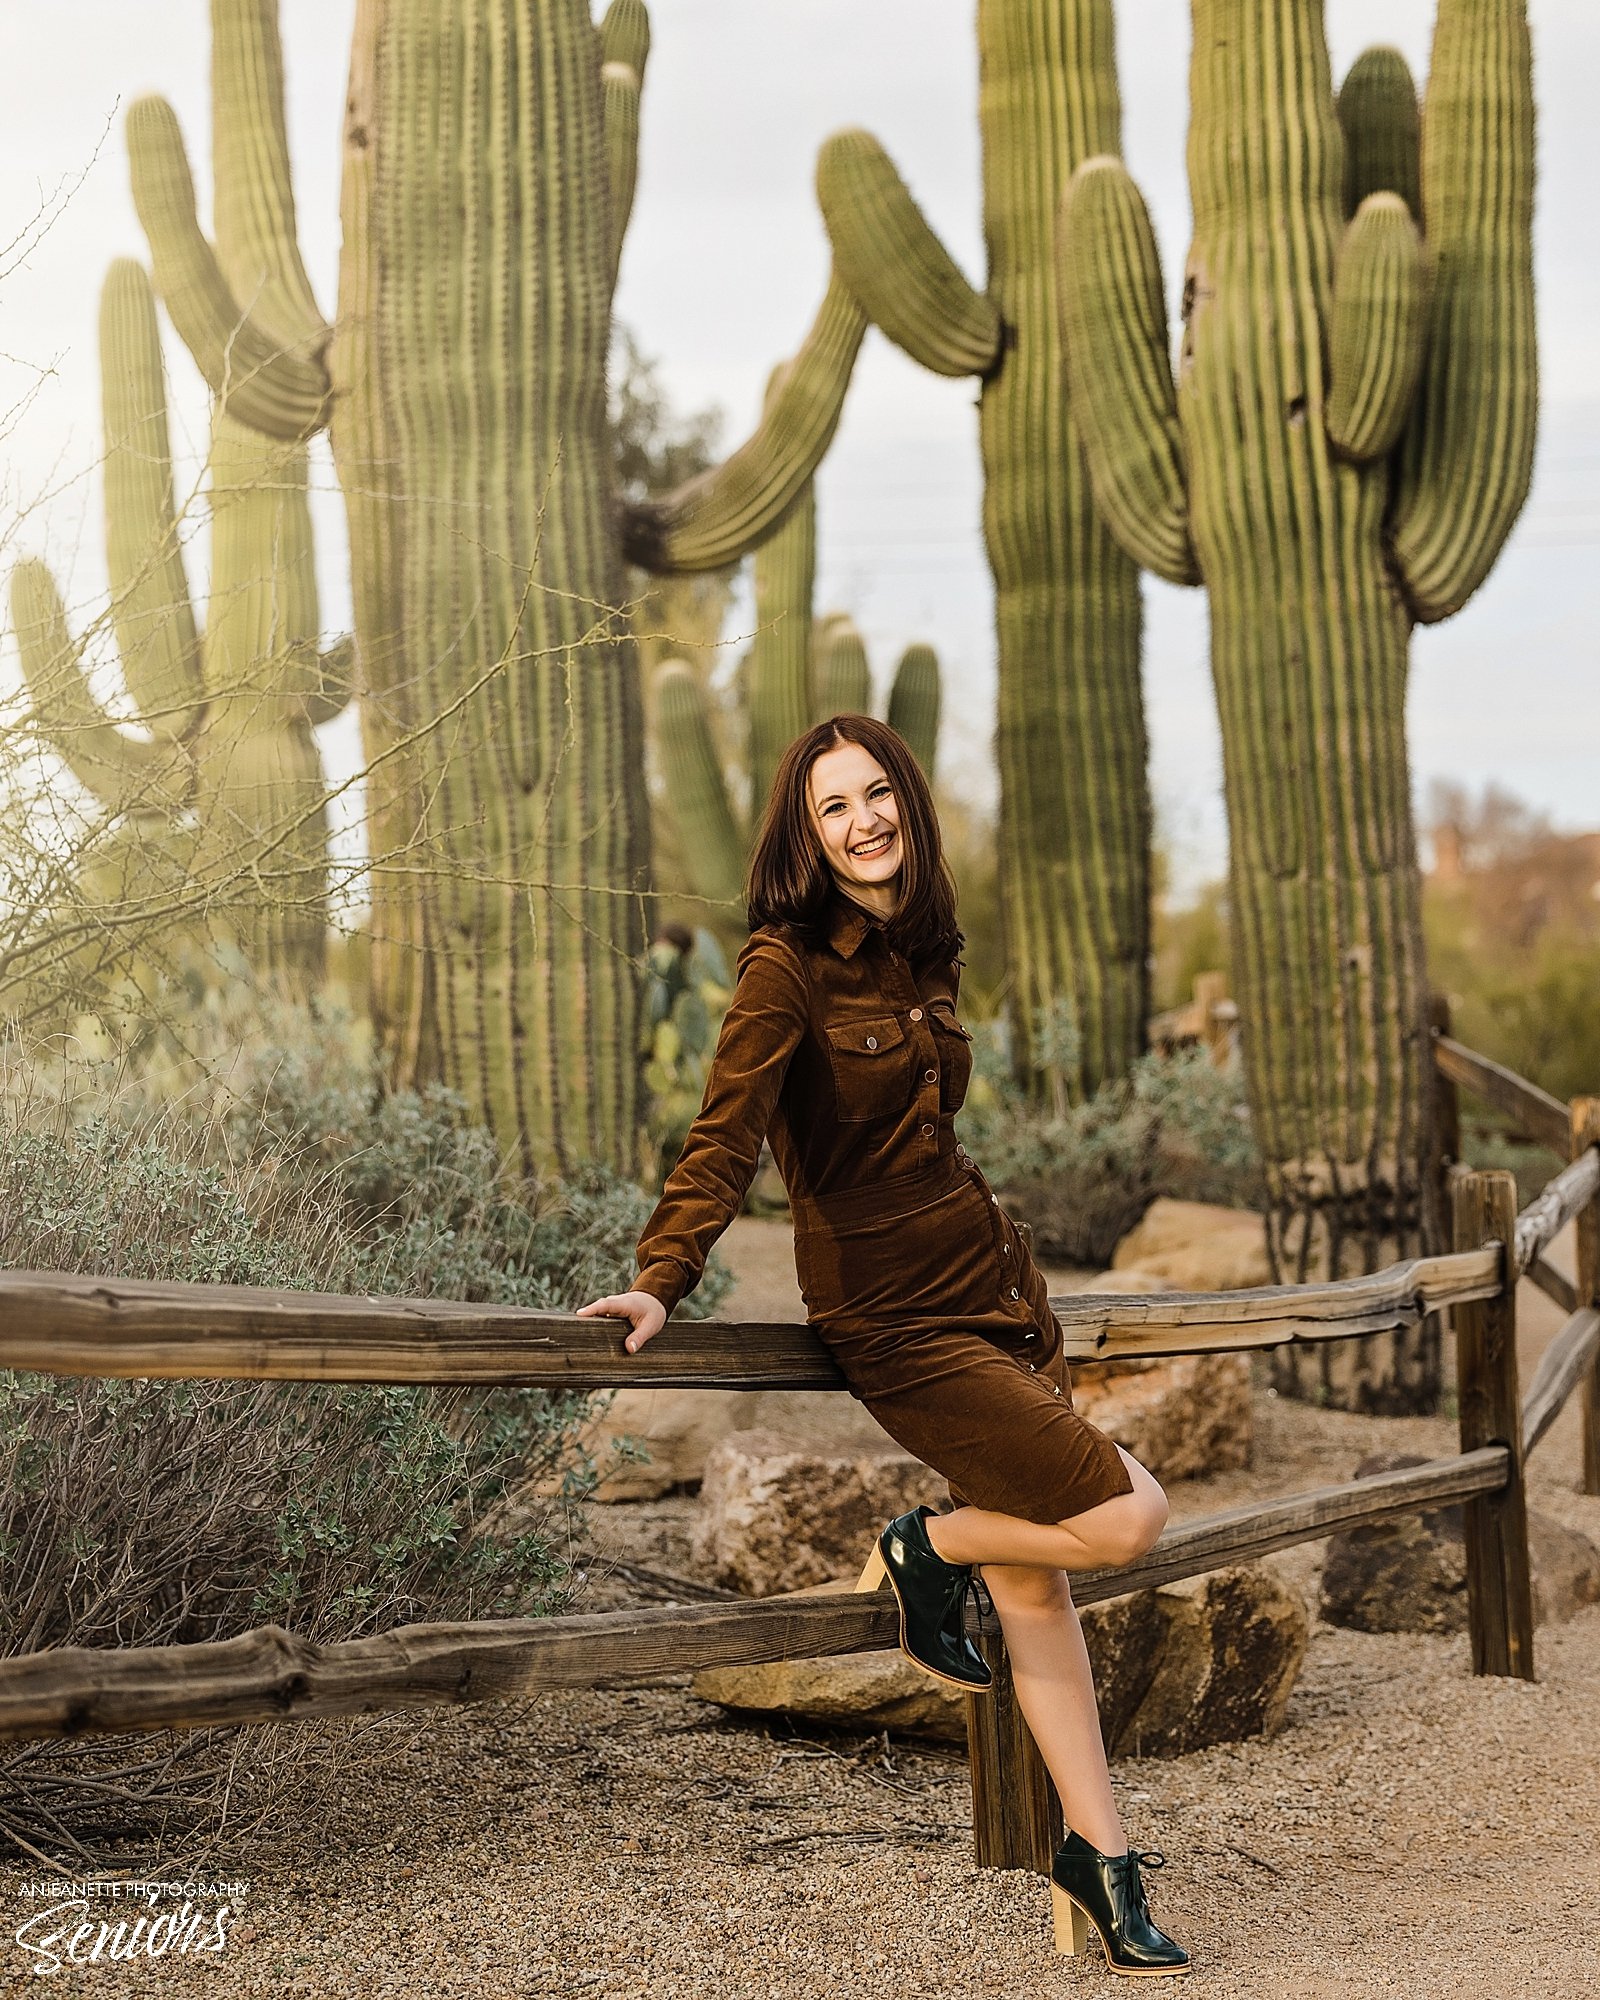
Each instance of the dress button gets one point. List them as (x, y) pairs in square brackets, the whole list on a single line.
[(872, 1041), (995, 1199), (1005, 1251), (927, 1131), (1030, 1335), (1014, 1292), (916, 1013), (1057, 1387), (1033, 1368), (930, 1076)]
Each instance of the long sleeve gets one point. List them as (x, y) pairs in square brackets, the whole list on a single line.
[(763, 1026)]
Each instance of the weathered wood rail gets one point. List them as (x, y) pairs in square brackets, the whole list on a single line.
[(72, 1325)]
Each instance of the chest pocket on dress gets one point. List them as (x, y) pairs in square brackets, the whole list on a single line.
[(955, 1054), (871, 1068)]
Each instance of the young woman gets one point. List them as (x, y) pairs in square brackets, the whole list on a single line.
[(841, 1042)]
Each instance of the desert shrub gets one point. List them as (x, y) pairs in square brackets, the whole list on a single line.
[(1083, 1175), (157, 1512)]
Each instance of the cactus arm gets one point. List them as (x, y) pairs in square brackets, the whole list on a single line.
[(914, 704), (1467, 456), (625, 35), (121, 771), (619, 88), (713, 849), (1379, 328), (723, 513), (1119, 375), (778, 669), (262, 379), (258, 249), (150, 608), (906, 281), (1377, 107), (844, 680)]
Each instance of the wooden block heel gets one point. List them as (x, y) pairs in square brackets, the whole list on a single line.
[(1072, 1926), (875, 1572)]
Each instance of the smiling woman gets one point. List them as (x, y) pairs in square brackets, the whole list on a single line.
[(841, 1046)]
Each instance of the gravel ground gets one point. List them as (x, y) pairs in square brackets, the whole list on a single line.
[(1412, 1831)]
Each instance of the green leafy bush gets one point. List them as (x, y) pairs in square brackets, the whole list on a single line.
[(160, 1512), (1083, 1175)]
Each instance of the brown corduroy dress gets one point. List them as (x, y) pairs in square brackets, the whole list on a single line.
[(913, 1274)]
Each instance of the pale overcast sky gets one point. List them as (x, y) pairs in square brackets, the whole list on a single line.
[(724, 263)]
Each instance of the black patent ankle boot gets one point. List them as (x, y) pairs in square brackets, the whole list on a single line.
[(1107, 1892), (932, 1594)]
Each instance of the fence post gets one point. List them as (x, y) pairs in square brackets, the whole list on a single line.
[(1016, 1816), (1210, 990), (1499, 1590), (1585, 1133)]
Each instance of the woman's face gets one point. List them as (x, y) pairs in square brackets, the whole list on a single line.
[(857, 820)]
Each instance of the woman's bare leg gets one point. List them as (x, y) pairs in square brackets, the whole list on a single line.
[(1106, 1536), (1024, 1565), (1055, 1691)]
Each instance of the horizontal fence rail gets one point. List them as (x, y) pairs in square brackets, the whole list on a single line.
[(270, 1675), (65, 1324), (1543, 1220), (1567, 1360), (1535, 1110)]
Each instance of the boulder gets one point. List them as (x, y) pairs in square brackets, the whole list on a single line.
[(1181, 1417), (675, 1429), (1175, 1669), (865, 1691), (1409, 1574), (1197, 1246), (779, 1513), (1229, 1657)]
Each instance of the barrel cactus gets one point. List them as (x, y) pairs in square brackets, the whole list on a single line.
[(490, 156), (1074, 800), (1346, 446)]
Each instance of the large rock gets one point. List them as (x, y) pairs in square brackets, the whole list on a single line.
[(1409, 1574), (1180, 1417), (1176, 1669), (1197, 1247), (675, 1430), (865, 1691), (778, 1513), (1231, 1652)]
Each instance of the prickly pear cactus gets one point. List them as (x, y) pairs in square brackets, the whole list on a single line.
[(1347, 444)]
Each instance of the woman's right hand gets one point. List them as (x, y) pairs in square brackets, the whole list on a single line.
[(648, 1314)]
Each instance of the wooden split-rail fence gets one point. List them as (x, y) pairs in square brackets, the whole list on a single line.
[(87, 1326)]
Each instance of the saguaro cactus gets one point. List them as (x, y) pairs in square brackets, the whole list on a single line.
[(225, 786), (1348, 442), (489, 166), (1074, 798)]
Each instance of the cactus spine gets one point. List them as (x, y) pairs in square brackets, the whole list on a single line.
[(1074, 799), (490, 154), (1321, 536)]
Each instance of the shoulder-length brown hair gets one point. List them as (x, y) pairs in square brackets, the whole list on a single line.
[(789, 882)]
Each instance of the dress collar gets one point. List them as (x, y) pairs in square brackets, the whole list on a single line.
[(849, 924)]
